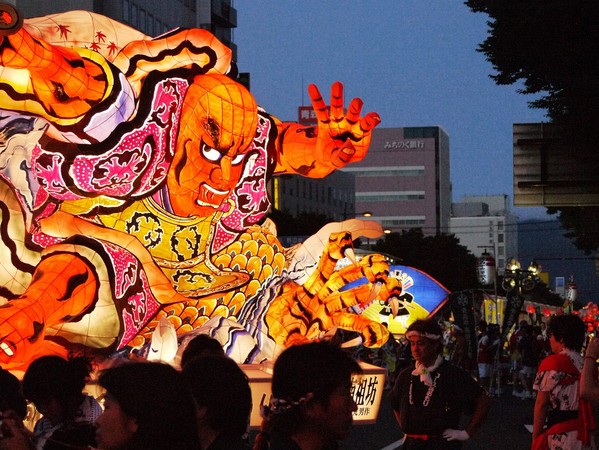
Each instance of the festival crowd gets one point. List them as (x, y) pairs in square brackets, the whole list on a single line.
[(438, 394)]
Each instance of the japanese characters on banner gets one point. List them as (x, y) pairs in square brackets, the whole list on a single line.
[(513, 306), (462, 308), (367, 391)]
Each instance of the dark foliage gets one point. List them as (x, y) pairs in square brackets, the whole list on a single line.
[(551, 49), (581, 223), (442, 257), (305, 224)]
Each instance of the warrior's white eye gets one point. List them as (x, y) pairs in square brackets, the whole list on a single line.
[(211, 154), (237, 159)]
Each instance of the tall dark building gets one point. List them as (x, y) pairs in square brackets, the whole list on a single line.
[(152, 17)]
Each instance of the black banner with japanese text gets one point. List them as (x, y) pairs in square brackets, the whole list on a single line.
[(462, 308)]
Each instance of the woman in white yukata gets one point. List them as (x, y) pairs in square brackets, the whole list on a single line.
[(562, 420)]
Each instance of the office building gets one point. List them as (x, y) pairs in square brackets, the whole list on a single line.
[(332, 196), (485, 224), (404, 179)]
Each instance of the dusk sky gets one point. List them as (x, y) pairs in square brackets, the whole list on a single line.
[(413, 62)]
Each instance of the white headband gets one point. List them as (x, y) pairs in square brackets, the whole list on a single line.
[(414, 333)]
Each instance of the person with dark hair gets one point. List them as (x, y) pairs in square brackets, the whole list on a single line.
[(561, 418), (312, 404), (55, 386), (488, 345), (13, 409), (146, 407), (430, 397), (528, 351), (223, 399), (516, 359), (11, 395), (201, 345)]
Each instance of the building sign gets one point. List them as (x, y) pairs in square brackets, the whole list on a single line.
[(306, 115), (406, 144), (367, 390)]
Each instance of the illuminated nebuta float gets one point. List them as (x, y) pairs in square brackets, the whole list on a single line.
[(133, 177)]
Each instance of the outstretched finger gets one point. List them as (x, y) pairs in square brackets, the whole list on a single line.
[(369, 121), (320, 107), (354, 110), (337, 101)]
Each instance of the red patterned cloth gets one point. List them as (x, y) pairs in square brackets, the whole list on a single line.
[(585, 422)]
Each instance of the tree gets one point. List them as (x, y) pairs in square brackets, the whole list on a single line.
[(304, 224), (552, 48), (440, 256), (581, 223)]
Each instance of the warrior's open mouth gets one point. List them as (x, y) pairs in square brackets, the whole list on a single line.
[(212, 197), (6, 348)]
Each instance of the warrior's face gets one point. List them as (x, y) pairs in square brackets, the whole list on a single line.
[(218, 125)]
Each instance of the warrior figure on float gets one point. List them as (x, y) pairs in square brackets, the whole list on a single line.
[(133, 178)]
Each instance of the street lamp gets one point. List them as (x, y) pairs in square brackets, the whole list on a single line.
[(515, 282), (515, 278)]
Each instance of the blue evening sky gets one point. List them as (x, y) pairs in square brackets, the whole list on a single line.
[(412, 61)]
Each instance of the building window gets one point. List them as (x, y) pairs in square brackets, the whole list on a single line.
[(150, 25), (126, 11), (420, 132), (134, 21), (389, 196), (402, 222), (500, 237), (142, 20), (392, 172)]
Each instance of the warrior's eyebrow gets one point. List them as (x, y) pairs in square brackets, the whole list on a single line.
[(212, 128)]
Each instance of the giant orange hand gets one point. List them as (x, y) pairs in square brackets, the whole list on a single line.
[(342, 137)]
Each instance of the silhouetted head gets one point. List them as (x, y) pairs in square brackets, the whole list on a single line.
[(55, 385), (11, 395), (201, 345), (312, 387), (568, 329), (146, 406), (221, 392)]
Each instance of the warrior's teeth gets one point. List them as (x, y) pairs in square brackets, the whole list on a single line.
[(6, 349), (374, 292)]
